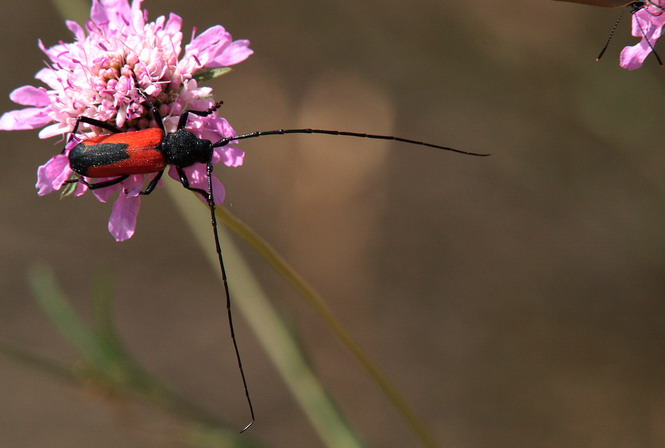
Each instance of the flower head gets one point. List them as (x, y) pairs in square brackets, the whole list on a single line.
[(648, 24), (115, 59)]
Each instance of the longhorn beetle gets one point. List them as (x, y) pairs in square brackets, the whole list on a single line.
[(121, 154)]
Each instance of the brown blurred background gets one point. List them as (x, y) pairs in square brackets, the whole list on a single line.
[(515, 300)]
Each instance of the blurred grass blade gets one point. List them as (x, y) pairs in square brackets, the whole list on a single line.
[(110, 366), (54, 304), (38, 362), (274, 335), (103, 291), (201, 436), (319, 304)]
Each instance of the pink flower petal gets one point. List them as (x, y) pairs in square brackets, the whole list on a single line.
[(48, 77), (633, 57), (648, 25), (131, 186), (53, 130), (28, 118), (103, 194), (137, 15), (209, 128), (110, 14), (230, 155), (218, 190), (198, 178), (212, 37), (76, 29), (98, 13), (80, 189), (53, 174), (174, 24), (122, 222), (234, 53), (30, 96)]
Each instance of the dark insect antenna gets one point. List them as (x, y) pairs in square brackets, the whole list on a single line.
[(634, 7), (227, 140)]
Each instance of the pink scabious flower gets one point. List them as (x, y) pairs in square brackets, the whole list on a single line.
[(97, 75), (648, 24)]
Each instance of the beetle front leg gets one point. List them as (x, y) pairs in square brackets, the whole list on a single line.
[(185, 183), (201, 113)]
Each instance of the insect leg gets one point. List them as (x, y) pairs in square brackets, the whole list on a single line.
[(95, 186), (213, 220), (201, 113), (153, 183), (93, 122), (185, 183)]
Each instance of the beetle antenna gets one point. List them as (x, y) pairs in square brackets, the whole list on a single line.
[(218, 248), (635, 7), (609, 38), (227, 140)]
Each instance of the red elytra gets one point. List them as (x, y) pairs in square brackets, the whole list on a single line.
[(140, 150)]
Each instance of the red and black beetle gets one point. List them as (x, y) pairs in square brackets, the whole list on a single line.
[(122, 154), (147, 151)]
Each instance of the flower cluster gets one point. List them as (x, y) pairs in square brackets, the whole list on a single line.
[(115, 59), (648, 22)]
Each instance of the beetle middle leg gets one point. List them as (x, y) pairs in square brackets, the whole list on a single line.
[(97, 185), (153, 184)]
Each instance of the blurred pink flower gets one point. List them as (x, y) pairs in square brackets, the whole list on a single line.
[(648, 24), (96, 76)]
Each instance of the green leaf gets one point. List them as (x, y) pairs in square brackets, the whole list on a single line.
[(102, 305), (37, 362), (208, 74), (54, 304), (69, 188)]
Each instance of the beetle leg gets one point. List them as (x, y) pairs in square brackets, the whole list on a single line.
[(153, 109), (92, 122), (185, 183), (201, 113), (95, 186), (153, 183)]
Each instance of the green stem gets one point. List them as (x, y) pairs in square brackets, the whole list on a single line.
[(274, 335), (109, 365), (37, 362), (318, 303)]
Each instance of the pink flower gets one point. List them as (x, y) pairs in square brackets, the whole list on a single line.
[(648, 24), (95, 76)]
